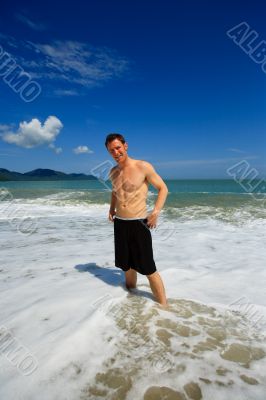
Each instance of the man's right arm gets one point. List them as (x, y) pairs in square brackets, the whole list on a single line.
[(112, 211), (113, 198)]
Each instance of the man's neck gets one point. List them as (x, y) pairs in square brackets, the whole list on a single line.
[(125, 163)]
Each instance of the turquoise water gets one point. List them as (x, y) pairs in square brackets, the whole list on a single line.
[(175, 186), (181, 192), (187, 199)]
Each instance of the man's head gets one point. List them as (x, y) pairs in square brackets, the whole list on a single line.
[(117, 146)]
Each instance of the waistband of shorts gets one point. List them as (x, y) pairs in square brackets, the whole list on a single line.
[(130, 219)]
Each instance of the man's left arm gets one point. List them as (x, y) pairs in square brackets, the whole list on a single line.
[(156, 181)]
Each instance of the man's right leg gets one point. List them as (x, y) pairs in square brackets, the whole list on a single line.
[(131, 278), (157, 288)]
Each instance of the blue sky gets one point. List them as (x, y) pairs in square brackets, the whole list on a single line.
[(163, 73)]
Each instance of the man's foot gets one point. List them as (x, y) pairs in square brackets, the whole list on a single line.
[(164, 306), (130, 287)]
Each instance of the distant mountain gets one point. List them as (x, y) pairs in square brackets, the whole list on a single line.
[(44, 173), (6, 175), (41, 174)]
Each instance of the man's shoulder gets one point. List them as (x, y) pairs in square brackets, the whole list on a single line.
[(112, 172), (145, 165)]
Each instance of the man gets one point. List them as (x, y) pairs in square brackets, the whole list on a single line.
[(128, 210)]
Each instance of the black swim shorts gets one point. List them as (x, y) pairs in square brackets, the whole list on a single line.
[(133, 246)]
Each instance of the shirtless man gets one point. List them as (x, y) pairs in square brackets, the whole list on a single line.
[(128, 210)]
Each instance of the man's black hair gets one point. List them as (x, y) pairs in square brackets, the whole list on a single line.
[(113, 136)]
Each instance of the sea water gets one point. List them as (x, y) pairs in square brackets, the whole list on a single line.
[(64, 303)]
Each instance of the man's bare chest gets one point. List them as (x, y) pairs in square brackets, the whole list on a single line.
[(129, 180)]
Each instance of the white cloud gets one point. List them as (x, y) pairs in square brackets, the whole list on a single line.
[(70, 62), (33, 134), (9, 40), (79, 63), (4, 128), (31, 24), (57, 150), (8, 155), (216, 161), (68, 67), (67, 92), (236, 150), (82, 150)]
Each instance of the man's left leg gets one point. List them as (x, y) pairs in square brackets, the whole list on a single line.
[(157, 288), (131, 278)]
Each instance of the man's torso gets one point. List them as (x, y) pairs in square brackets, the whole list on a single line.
[(131, 188)]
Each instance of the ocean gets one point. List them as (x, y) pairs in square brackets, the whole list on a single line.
[(69, 328)]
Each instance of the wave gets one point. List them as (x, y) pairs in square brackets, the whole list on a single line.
[(230, 209), (222, 193), (233, 215)]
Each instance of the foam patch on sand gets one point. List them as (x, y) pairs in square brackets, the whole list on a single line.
[(189, 351)]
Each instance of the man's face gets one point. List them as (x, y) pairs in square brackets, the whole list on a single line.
[(118, 150)]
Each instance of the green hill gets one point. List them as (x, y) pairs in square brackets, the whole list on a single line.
[(41, 174)]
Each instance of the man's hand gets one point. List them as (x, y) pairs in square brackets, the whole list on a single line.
[(152, 219), (111, 215)]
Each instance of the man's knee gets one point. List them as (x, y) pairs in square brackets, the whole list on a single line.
[(153, 275), (131, 273)]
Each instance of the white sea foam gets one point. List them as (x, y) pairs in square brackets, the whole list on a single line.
[(57, 286)]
